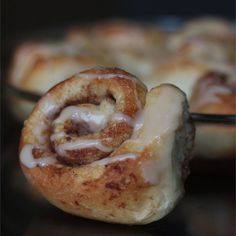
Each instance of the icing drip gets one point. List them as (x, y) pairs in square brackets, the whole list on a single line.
[(81, 144), (93, 117), (138, 122), (58, 135), (155, 126), (150, 171), (27, 158), (117, 158), (119, 117), (39, 132), (48, 107)]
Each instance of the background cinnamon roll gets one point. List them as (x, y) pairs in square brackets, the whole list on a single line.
[(116, 39), (98, 145), (210, 39), (210, 90), (215, 93), (38, 66)]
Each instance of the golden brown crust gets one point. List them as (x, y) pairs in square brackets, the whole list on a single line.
[(117, 190)]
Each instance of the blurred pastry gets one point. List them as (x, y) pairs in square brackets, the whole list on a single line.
[(131, 46), (215, 93), (37, 67), (210, 30)]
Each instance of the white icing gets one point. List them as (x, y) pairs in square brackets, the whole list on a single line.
[(157, 116), (208, 94), (156, 126), (120, 117), (81, 144), (27, 158), (93, 117), (38, 132), (58, 135), (150, 171), (138, 122), (117, 158), (48, 106)]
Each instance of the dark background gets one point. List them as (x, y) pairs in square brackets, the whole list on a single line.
[(30, 14)]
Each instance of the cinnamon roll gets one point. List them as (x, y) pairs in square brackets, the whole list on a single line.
[(138, 56), (201, 28), (98, 145), (215, 93), (119, 34)]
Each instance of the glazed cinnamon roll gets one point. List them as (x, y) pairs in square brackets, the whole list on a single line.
[(215, 93), (98, 145)]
